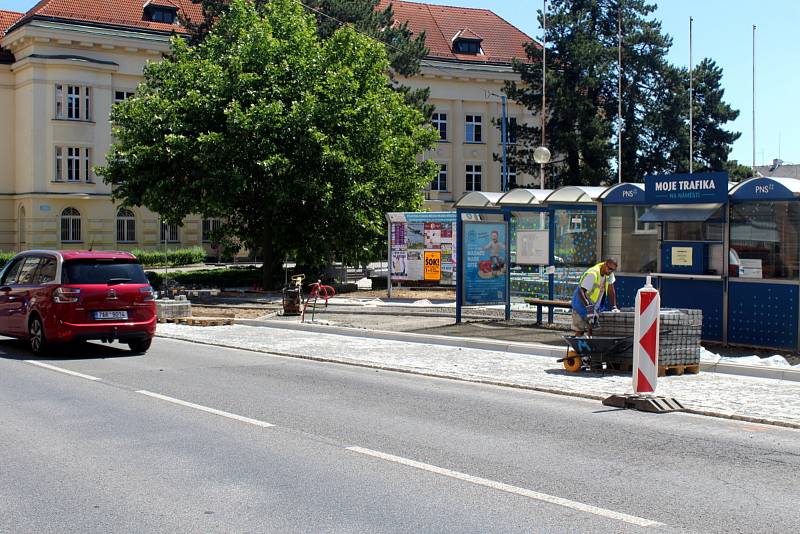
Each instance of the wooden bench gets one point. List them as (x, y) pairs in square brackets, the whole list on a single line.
[(549, 304)]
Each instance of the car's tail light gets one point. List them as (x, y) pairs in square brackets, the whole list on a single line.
[(65, 295), (148, 293)]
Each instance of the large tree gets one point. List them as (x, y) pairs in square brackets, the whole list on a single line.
[(297, 142), (583, 97), (405, 50)]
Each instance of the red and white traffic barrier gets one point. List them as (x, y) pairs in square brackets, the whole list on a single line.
[(645, 335)]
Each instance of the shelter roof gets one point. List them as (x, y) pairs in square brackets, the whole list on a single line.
[(576, 193), (766, 188), (524, 197), (478, 199)]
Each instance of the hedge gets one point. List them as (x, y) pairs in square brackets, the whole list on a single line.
[(5, 257), (182, 256), (217, 278)]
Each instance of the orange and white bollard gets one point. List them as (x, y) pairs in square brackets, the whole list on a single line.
[(645, 335)]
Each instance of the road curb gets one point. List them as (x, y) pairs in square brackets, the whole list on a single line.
[(485, 381)]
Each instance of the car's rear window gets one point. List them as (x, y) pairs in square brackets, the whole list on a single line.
[(103, 272)]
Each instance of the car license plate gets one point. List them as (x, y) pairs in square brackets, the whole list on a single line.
[(110, 315)]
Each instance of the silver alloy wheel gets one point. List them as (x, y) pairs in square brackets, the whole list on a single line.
[(36, 335)]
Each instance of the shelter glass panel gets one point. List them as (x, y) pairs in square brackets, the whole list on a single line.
[(574, 248), (529, 230), (764, 240), (632, 242)]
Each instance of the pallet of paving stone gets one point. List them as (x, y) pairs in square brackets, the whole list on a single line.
[(678, 370), (204, 321)]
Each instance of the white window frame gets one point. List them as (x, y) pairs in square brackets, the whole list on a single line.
[(125, 95), (473, 172), (169, 233), (126, 226), (643, 228), (511, 127), (439, 121), (73, 102), (73, 164), (473, 128), (70, 226)]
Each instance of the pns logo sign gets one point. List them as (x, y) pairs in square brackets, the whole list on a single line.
[(764, 189)]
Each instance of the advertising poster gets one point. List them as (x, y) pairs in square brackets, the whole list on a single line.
[(398, 235), (486, 257), (433, 235), (414, 265), (399, 265), (415, 240), (433, 265)]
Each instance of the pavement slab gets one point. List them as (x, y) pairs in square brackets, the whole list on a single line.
[(737, 397)]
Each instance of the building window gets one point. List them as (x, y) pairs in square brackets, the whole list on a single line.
[(73, 164), (511, 130), (474, 130), (440, 182), (210, 228), (73, 102), (512, 175), (126, 226), (70, 226), (169, 233), (467, 46), (440, 123), (121, 96), (162, 14), (473, 175)]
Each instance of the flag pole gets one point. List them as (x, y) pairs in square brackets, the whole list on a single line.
[(544, 85), (691, 102)]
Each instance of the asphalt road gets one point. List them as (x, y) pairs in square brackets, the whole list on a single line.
[(178, 440)]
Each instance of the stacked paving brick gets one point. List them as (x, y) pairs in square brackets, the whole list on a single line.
[(679, 334), (173, 309)]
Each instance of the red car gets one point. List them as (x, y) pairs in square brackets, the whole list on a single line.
[(49, 297)]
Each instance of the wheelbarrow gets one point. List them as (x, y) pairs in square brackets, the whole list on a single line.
[(596, 353)]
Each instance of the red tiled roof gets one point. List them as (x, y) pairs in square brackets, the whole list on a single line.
[(126, 13), (501, 41), (7, 18)]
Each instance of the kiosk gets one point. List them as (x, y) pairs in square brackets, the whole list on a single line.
[(764, 270)]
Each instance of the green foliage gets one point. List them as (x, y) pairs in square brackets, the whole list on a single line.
[(182, 256), (215, 278), (5, 257), (583, 98), (298, 143)]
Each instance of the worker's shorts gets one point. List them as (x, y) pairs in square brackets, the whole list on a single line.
[(579, 324)]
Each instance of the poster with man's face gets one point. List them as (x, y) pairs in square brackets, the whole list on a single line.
[(486, 263)]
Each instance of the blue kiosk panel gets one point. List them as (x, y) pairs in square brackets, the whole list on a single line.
[(764, 315), (703, 295), (626, 288)]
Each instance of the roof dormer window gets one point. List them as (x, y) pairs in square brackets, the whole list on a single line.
[(467, 42), (162, 12)]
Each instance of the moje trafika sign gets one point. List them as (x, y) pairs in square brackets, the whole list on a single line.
[(699, 188)]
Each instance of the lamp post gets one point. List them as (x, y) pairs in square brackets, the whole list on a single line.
[(543, 153)]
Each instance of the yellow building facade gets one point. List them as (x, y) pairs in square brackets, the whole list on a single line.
[(61, 72)]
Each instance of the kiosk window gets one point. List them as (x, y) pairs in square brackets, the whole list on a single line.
[(636, 250), (764, 240), (695, 231)]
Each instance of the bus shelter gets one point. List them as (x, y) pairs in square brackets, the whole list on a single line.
[(764, 263)]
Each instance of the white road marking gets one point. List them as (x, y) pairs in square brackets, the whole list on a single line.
[(60, 370), (214, 411), (511, 489)]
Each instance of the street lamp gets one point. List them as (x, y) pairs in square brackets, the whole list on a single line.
[(541, 156)]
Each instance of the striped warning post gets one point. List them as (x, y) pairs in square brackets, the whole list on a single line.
[(645, 334)]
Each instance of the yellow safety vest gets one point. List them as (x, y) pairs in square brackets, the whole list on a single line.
[(594, 294)]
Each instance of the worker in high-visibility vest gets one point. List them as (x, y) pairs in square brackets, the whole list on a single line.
[(595, 284)]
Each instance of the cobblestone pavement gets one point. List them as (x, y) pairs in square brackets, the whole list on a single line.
[(747, 398)]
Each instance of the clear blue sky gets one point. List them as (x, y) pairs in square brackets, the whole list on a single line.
[(723, 32)]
